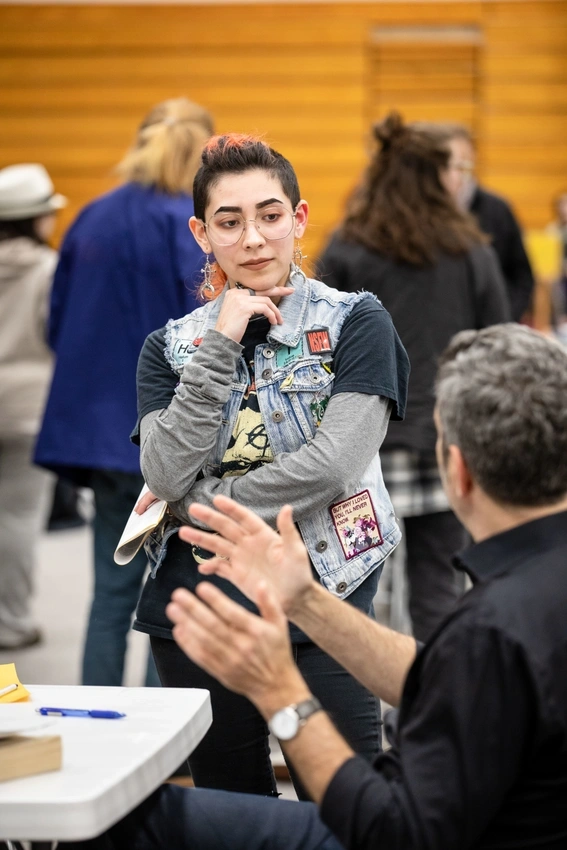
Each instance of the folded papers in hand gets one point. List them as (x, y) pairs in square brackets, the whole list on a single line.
[(138, 529)]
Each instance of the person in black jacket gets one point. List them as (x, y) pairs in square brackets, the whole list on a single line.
[(493, 214), (404, 239), (479, 752)]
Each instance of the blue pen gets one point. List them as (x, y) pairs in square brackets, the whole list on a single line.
[(80, 712)]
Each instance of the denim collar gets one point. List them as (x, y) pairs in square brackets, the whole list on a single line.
[(294, 311)]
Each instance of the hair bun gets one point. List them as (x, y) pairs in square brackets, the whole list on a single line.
[(390, 130)]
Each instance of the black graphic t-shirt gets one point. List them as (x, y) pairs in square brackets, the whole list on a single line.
[(249, 446)]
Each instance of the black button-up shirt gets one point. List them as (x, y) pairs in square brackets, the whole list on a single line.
[(481, 753)]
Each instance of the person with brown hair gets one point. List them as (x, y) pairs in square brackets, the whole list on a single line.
[(126, 266), (267, 393), (404, 239)]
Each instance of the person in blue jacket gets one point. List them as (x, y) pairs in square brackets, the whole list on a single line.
[(128, 264)]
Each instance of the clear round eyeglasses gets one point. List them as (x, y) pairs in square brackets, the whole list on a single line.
[(227, 228)]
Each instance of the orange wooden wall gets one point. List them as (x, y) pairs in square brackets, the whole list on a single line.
[(75, 80)]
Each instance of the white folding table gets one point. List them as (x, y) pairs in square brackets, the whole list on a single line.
[(109, 766)]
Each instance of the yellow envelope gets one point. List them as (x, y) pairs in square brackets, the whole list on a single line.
[(8, 676)]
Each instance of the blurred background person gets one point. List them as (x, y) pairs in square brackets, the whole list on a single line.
[(65, 512), (493, 214), (128, 264), (28, 205), (404, 239), (558, 229)]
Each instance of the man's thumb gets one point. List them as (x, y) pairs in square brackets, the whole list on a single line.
[(269, 606), (286, 526)]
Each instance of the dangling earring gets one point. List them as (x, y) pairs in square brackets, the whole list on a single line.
[(208, 271), (298, 257)]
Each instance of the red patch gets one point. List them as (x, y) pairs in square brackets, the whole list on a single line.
[(318, 341), (198, 341)]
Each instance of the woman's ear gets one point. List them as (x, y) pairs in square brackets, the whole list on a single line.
[(301, 216), (199, 232)]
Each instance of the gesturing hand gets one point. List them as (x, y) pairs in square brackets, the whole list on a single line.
[(239, 306), (251, 552), (248, 654)]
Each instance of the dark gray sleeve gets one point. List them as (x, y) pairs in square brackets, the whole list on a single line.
[(319, 473), (176, 442)]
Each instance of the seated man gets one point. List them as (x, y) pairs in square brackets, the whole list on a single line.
[(480, 756)]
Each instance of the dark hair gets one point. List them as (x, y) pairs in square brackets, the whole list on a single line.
[(19, 228), (501, 399), (401, 209), (235, 153)]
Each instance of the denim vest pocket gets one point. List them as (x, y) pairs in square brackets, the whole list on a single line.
[(308, 390)]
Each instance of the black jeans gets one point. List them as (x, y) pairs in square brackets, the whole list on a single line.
[(187, 819), (234, 755), (434, 584)]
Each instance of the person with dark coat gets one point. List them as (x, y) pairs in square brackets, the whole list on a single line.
[(128, 264), (494, 216), (404, 239), (479, 745)]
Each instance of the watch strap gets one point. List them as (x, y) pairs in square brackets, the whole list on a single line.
[(306, 708)]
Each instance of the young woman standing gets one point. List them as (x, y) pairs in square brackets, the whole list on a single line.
[(279, 389)]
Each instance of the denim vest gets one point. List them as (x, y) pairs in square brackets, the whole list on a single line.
[(293, 383)]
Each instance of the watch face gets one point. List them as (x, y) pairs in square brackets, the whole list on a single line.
[(284, 724)]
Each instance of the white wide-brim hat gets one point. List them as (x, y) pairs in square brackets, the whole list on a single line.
[(26, 191)]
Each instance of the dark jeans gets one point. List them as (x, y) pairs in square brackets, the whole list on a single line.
[(175, 818), (434, 584), (234, 755), (116, 588)]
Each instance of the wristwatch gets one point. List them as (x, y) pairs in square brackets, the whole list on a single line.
[(286, 723)]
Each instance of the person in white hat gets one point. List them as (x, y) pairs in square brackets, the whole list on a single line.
[(28, 204), (27, 193)]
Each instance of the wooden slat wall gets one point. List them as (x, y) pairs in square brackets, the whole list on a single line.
[(75, 80), (523, 131), (447, 75)]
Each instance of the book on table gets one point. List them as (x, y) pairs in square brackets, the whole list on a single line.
[(138, 529), (26, 755)]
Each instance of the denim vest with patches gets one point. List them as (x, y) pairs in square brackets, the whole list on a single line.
[(350, 539)]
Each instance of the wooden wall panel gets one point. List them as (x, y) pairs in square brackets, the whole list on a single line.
[(523, 89), (75, 81)]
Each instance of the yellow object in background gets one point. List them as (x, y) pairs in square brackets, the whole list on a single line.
[(8, 676), (544, 250)]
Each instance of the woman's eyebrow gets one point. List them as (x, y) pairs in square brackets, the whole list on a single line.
[(259, 206), (268, 202), (228, 209)]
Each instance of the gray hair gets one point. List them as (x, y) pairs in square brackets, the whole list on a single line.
[(502, 399)]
